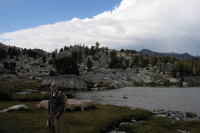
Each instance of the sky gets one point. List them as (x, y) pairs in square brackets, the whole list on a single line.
[(157, 25)]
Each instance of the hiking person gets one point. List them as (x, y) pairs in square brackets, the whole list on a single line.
[(55, 108)]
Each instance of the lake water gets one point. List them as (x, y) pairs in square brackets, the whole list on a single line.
[(152, 98)]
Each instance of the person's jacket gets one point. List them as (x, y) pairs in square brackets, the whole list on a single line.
[(56, 103)]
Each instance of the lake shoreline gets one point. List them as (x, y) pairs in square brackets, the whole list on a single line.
[(181, 99)]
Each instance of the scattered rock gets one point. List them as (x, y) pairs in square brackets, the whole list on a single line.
[(180, 131), (44, 93), (133, 121), (177, 118), (191, 114), (123, 123), (73, 104), (176, 115), (20, 107), (159, 112)]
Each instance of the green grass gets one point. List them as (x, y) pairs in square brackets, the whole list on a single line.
[(5, 94), (97, 120), (31, 97), (22, 122), (22, 85)]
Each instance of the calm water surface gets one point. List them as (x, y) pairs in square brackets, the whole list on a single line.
[(151, 98)]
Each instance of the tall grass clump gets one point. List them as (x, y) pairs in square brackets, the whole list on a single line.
[(31, 97), (5, 94)]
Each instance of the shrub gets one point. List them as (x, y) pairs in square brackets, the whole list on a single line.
[(32, 97), (5, 94), (52, 73), (140, 114)]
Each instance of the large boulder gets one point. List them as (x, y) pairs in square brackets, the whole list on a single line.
[(21, 107), (121, 78), (73, 104), (43, 104), (65, 81), (120, 84), (108, 77), (191, 114), (86, 103)]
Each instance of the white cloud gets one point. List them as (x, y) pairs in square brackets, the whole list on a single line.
[(159, 25)]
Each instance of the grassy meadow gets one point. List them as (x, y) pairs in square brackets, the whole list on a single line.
[(97, 120)]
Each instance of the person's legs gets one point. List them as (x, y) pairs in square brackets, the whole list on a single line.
[(57, 124), (52, 126)]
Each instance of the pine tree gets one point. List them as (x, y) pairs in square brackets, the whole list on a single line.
[(89, 64), (66, 65), (114, 60), (44, 59)]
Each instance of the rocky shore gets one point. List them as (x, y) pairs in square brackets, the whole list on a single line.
[(176, 115), (116, 78), (170, 115)]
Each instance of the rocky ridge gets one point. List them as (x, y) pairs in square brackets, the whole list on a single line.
[(116, 78), (32, 69)]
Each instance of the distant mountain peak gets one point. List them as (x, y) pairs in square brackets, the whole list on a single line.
[(170, 54), (173, 53)]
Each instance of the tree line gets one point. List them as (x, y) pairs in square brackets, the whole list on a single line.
[(182, 66), (118, 59)]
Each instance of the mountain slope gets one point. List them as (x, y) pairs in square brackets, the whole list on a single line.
[(172, 54)]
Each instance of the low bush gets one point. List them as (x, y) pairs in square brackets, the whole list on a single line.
[(31, 97), (140, 114), (6, 94)]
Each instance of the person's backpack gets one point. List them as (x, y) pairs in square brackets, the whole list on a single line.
[(65, 98)]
